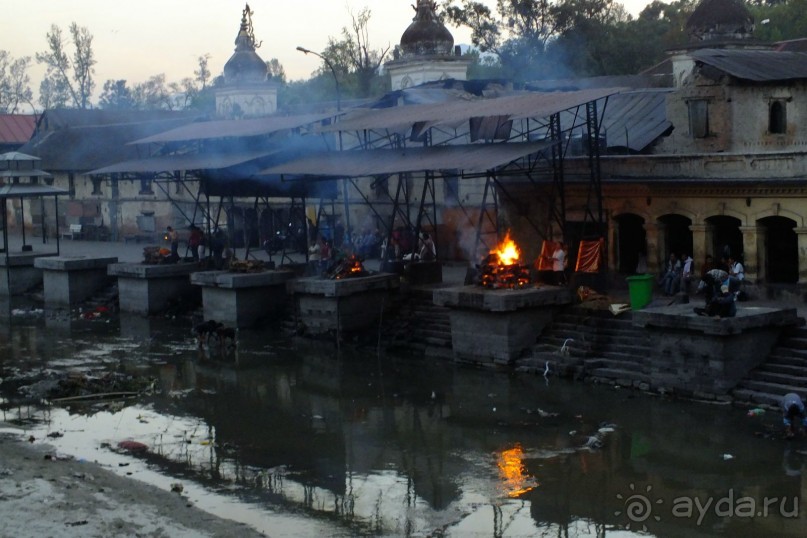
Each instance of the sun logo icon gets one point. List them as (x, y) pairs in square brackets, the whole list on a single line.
[(638, 507)]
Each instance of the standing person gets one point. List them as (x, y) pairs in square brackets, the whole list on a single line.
[(559, 262), (325, 254), (173, 238), (428, 252), (195, 241), (315, 257), (217, 247), (794, 417), (672, 275), (686, 272)]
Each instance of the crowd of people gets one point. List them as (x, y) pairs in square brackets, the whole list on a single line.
[(199, 246), (719, 283)]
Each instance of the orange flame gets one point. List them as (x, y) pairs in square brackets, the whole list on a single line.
[(511, 469), (507, 251)]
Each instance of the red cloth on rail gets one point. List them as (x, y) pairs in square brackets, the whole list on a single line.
[(589, 256)]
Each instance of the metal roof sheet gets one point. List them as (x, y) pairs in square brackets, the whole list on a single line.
[(525, 105), (33, 172), (756, 65), (189, 161), (26, 190), (204, 130), (16, 128), (636, 119), (360, 163), (17, 156), (76, 149)]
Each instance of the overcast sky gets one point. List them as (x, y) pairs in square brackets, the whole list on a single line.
[(134, 40)]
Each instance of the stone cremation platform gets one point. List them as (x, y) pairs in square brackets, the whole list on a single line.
[(69, 280), (242, 299), (149, 289), (496, 326), (342, 305), (694, 354), (18, 273)]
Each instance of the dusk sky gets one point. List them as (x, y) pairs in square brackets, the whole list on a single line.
[(135, 40)]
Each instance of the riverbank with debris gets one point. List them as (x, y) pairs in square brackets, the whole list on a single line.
[(46, 494)]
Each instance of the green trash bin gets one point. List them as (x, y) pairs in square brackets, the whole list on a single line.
[(640, 289)]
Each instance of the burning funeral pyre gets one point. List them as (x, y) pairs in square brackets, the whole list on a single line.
[(502, 267), (350, 267)]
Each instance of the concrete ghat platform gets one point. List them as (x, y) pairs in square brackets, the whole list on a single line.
[(497, 326), (347, 304), (18, 273), (242, 299), (69, 280), (698, 354), (148, 289)]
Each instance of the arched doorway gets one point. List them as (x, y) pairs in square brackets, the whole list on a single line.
[(677, 235), (781, 250), (726, 237), (631, 240)]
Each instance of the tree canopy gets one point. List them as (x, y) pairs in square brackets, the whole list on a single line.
[(15, 83), (518, 40), (69, 78)]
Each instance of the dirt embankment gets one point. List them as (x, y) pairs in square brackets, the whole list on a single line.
[(44, 495)]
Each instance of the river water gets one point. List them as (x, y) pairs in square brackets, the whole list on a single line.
[(297, 438)]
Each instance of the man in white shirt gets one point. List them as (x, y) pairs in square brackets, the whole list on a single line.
[(559, 264), (736, 269), (686, 273)]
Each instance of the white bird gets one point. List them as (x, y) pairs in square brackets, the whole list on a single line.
[(564, 349)]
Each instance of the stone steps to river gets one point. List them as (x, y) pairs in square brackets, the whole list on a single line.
[(598, 345), (784, 370), (419, 326)]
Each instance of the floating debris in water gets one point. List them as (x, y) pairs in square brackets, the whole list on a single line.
[(31, 312), (132, 446)]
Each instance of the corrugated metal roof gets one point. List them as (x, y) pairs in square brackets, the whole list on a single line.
[(204, 130), (17, 156), (19, 190), (76, 149), (24, 173), (636, 119), (63, 118), (191, 161), (16, 128), (360, 163), (526, 105), (756, 65)]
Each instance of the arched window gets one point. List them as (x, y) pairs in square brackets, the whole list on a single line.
[(777, 118)]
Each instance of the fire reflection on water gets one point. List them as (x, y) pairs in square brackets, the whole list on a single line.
[(511, 469)]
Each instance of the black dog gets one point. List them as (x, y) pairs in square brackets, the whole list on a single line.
[(227, 337), (206, 329)]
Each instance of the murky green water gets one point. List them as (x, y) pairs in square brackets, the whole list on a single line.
[(299, 440)]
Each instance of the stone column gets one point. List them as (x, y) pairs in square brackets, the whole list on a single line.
[(655, 246), (801, 233), (699, 246), (762, 254), (613, 245), (750, 251)]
